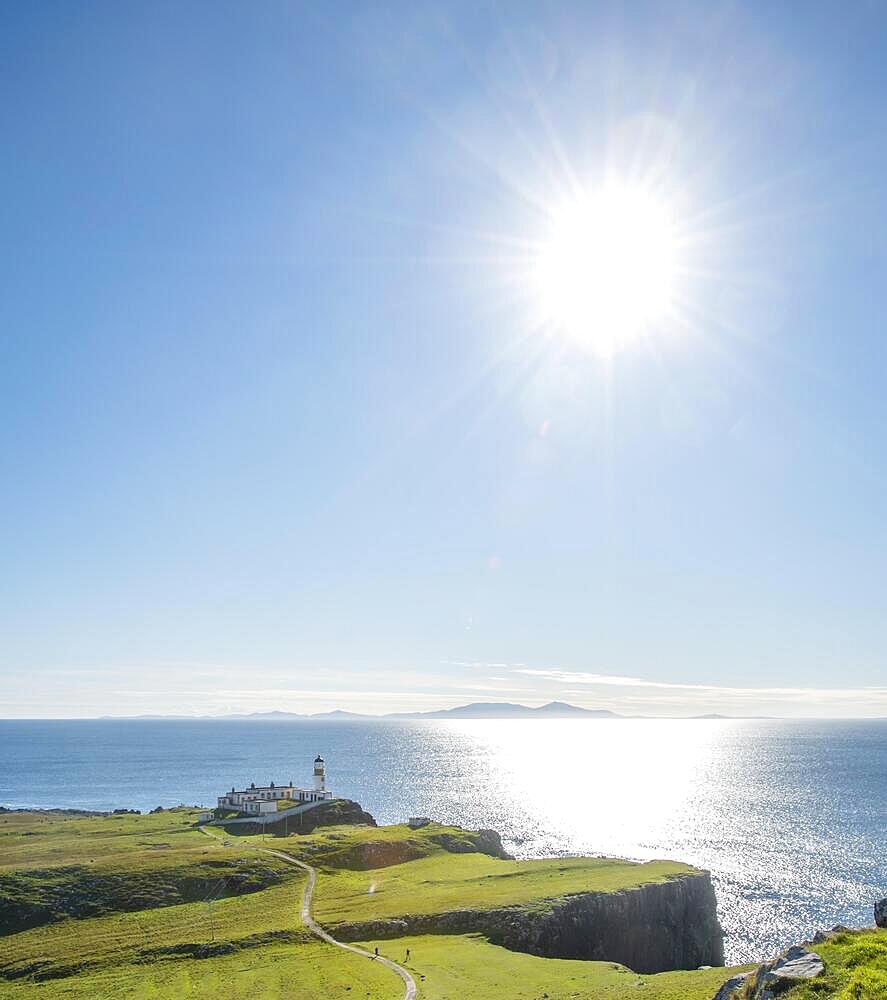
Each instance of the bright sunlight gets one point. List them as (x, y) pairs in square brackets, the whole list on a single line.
[(606, 271)]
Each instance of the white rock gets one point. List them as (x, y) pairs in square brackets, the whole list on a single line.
[(796, 963)]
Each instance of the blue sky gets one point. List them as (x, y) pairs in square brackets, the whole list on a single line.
[(279, 427)]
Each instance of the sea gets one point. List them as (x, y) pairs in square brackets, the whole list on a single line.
[(790, 817)]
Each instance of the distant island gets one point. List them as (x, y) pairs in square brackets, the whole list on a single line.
[(476, 710), (508, 710)]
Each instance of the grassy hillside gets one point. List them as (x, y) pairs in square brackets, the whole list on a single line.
[(55, 866), (307, 971), (239, 946), (41, 840), (193, 928), (254, 945), (451, 967), (357, 846)]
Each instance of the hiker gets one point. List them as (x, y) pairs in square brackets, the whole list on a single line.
[(377, 951), (408, 955)]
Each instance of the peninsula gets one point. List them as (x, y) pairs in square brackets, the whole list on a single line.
[(172, 905)]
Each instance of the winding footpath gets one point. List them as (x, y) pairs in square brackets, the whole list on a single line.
[(317, 930)]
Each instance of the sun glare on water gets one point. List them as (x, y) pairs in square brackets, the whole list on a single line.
[(606, 270)]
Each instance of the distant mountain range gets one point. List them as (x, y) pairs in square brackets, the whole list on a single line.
[(506, 710), (476, 710), (275, 716)]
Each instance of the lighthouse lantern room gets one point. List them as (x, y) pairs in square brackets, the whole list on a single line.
[(319, 774)]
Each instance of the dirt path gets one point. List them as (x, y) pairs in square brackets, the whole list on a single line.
[(318, 931)]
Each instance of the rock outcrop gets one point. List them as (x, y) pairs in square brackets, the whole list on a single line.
[(482, 841), (881, 913), (656, 927), (336, 812), (732, 988), (772, 979), (821, 936)]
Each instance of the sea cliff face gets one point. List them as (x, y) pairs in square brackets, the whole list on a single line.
[(658, 927)]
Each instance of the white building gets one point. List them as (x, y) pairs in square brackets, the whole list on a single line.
[(260, 799)]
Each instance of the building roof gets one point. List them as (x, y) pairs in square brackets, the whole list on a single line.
[(266, 788)]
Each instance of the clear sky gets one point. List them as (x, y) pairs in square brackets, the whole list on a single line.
[(286, 420)]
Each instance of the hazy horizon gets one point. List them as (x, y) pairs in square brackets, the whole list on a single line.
[(397, 356), (652, 712)]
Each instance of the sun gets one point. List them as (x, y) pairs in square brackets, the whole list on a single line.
[(605, 272)]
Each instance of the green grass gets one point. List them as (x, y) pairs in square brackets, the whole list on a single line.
[(38, 840), (442, 882), (311, 971), (457, 967), (55, 866), (132, 937), (368, 846)]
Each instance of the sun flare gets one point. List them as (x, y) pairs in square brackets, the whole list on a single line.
[(606, 271)]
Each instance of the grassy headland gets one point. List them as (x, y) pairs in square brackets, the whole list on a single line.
[(243, 937), (443, 882), (370, 873)]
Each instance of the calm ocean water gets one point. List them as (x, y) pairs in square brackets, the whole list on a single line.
[(790, 817)]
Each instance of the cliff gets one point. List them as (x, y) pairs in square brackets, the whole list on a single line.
[(657, 927)]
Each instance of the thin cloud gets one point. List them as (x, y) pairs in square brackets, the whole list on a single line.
[(684, 692), (482, 664)]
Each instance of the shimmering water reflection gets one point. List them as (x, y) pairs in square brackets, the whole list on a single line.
[(788, 816)]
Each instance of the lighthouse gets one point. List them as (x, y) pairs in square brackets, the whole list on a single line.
[(319, 774)]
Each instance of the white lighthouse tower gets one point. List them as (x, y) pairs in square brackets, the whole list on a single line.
[(319, 774)]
